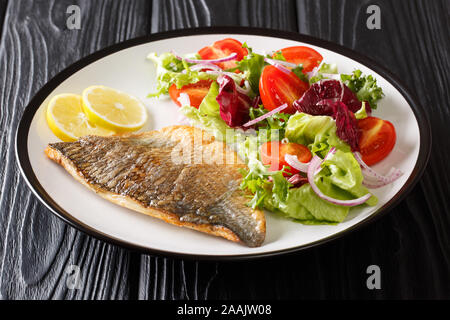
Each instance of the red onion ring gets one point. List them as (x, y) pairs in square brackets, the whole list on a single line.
[(280, 67), (284, 63), (369, 173), (378, 184), (245, 90), (295, 163), (201, 66), (313, 166), (220, 73), (314, 71)]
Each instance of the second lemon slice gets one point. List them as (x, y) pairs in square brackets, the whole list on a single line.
[(113, 109)]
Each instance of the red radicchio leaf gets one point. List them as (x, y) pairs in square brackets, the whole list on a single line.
[(347, 129), (234, 106), (312, 101)]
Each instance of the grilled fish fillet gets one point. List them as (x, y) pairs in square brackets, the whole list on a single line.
[(179, 174)]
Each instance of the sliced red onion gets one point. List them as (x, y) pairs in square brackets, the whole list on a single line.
[(233, 75), (369, 173), (245, 90), (313, 166), (201, 66), (224, 59), (295, 163), (284, 63), (334, 76), (267, 115), (277, 65), (396, 173), (184, 100), (314, 71), (330, 153)]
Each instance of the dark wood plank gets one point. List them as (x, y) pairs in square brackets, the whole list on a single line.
[(178, 14), (411, 244), (36, 248), (3, 4)]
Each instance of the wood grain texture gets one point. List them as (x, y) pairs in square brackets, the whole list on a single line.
[(36, 247), (179, 14), (411, 244), (3, 4)]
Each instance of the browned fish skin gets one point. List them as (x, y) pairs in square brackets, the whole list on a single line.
[(140, 167)]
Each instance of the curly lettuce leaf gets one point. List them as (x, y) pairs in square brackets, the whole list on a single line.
[(271, 128), (251, 66), (365, 87), (255, 179), (170, 70)]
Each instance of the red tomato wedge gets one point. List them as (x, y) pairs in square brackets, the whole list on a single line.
[(277, 87), (224, 48), (196, 92), (309, 57), (273, 153), (377, 139)]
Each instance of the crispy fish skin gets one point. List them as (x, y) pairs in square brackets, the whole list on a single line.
[(140, 172)]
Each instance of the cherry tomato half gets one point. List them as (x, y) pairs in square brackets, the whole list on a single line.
[(273, 153), (377, 139), (309, 57), (196, 92), (277, 87), (224, 48)]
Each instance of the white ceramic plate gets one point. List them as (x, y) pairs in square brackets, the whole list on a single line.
[(124, 67)]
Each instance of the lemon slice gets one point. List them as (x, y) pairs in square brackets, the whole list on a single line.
[(66, 118), (113, 109)]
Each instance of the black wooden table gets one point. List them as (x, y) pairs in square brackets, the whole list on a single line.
[(411, 244)]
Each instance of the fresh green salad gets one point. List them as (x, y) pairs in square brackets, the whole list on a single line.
[(305, 131)]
